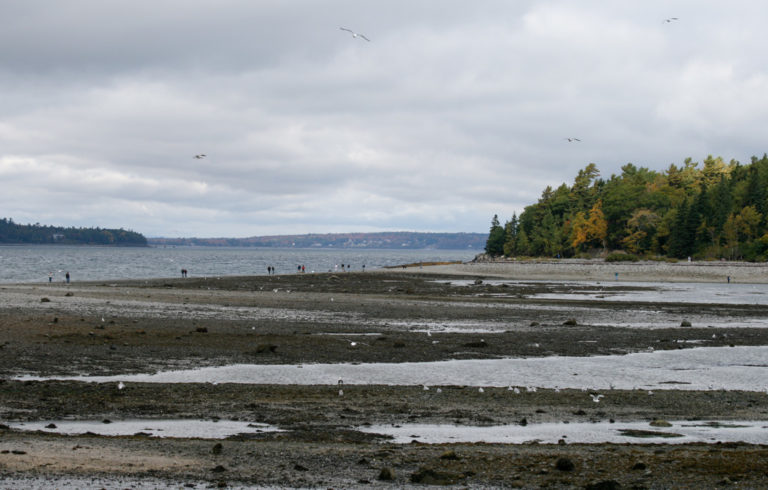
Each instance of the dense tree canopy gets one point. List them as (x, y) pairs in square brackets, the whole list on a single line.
[(11, 232), (713, 210)]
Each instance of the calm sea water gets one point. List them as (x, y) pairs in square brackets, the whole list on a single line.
[(35, 263)]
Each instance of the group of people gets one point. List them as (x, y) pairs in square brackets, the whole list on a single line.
[(270, 270), (50, 277)]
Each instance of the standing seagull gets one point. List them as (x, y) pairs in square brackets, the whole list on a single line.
[(354, 34)]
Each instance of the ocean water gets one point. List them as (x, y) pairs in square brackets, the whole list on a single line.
[(35, 263)]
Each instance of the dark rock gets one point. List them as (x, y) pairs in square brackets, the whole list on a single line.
[(387, 474), (50, 426), (449, 455), (69, 294), (565, 464), (262, 348), (604, 485), (639, 466), (106, 421), (570, 322), (201, 330), (685, 323), (55, 319), (478, 282), (399, 344), (45, 300), (479, 344), (660, 423), (535, 324), (299, 467), (218, 469), (18, 451), (428, 476), (523, 422), (217, 448)]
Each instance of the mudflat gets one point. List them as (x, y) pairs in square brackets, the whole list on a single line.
[(412, 314)]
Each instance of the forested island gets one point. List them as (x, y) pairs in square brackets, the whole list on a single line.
[(717, 210), (13, 233), (375, 240)]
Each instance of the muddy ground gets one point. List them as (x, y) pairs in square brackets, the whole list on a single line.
[(140, 326)]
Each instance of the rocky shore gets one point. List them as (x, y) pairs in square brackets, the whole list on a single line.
[(144, 326)]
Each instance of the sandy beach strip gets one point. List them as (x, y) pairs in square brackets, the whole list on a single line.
[(598, 270)]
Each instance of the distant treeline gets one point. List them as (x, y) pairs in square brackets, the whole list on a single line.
[(13, 233), (382, 240), (718, 210)]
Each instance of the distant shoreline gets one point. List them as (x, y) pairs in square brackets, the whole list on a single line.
[(590, 270)]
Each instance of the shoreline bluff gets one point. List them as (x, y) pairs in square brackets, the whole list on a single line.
[(594, 270)]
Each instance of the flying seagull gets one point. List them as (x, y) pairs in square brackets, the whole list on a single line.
[(354, 34), (200, 156), (571, 140), (671, 19)]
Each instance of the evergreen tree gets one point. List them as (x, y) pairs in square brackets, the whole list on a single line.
[(495, 244)]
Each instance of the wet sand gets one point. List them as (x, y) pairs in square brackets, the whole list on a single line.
[(143, 326)]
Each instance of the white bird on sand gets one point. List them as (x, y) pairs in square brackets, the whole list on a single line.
[(354, 34), (341, 383), (481, 390), (120, 385)]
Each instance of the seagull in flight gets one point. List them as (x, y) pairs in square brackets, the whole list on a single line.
[(354, 34), (571, 140), (201, 156), (671, 19)]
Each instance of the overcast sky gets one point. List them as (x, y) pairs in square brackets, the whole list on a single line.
[(453, 112)]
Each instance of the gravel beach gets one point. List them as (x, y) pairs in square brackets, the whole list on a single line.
[(128, 327)]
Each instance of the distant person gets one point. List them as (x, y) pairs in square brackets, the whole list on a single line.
[(67, 277), (303, 270), (50, 277), (363, 267), (729, 279)]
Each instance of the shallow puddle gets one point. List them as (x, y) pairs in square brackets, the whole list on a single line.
[(203, 429), (718, 293), (699, 368), (588, 433)]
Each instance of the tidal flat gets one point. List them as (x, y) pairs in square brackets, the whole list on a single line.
[(322, 433)]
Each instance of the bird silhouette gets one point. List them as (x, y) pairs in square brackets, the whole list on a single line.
[(354, 34), (200, 156), (671, 19), (571, 140)]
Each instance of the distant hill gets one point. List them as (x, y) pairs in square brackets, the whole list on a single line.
[(379, 240), (13, 233)]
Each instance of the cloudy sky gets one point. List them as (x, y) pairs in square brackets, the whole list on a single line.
[(454, 111)]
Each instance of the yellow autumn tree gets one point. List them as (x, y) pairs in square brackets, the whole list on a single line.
[(589, 229)]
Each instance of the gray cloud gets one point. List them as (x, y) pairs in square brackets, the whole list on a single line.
[(452, 113)]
